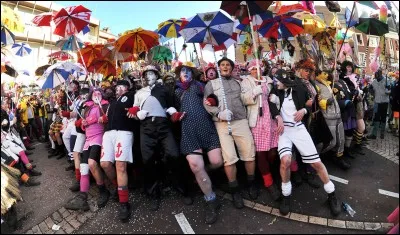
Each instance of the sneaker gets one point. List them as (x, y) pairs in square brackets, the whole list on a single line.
[(103, 198), (284, 208), (312, 180), (211, 211), (274, 192), (34, 172), (31, 182), (78, 203), (296, 178), (339, 161), (237, 200), (75, 187), (253, 190), (124, 212), (333, 204)]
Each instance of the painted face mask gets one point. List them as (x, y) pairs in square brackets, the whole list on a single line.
[(186, 75), (97, 97), (211, 74), (120, 90), (151, 78)]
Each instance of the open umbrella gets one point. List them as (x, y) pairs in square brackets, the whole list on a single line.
[(7, 37), (54, 76), (281, 27), (71, 43), (233, 8), (44, 19), (160, 54), (40, 70), (291, 9), (21, 49), (60, 55), (12, 20), (312, 24), (372, 26), (105, 67), (170, 28), (136, 41), (71, 20), (223, 46), (90, 52)]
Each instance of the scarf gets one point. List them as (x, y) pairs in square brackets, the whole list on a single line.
[(310, 88)]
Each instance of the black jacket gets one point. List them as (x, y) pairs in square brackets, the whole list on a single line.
[(117, 119)]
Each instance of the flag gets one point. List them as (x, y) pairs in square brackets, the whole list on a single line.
[(371, 4), (351, 21), (388, 4)]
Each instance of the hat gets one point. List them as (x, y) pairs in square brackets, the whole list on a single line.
[(187, 64), (226, 59), (253, 64), (210, 66), (151, 68), (123, 83), (306, 64), (168, 74), (284, 77)]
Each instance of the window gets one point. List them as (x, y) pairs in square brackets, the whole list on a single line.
[(361, 59), (373, 41), (360, 40), (341, 18)]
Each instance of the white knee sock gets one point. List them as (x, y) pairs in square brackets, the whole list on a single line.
[(329, 187), (286, 189), (53, 146)]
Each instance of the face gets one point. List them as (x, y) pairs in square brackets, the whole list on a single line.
[(72, 87), (253, 72), (120, 90), (236, 72), (186, 74), (280, 85), (305, 73), (211, 74), (226, 69), (349, 69), (108, 93), (97, 97), (151, 78), (273, 71)]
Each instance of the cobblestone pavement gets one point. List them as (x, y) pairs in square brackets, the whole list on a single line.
[(387, 147)]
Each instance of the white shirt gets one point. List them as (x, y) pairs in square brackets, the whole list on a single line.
[(288, 110)]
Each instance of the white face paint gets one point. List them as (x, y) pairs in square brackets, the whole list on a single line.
[(97, 97), (280, 85), (151, 78), (120, 90), (186, 74)]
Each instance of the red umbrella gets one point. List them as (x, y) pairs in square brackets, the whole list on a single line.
[(233, 8), (71, 20), (44, 19), (60, 55), (104, 67), (291, 9)]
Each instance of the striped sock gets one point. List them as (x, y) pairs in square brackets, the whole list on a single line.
[(358, 137)]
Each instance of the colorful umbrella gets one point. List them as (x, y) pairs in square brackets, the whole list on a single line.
[(212, 27), (312, 24), (372, 26), (12, 20), (44, 19), (170, 28), (21, 49), (244, 24), (40, 70), (71, 43), (71, 20), (221, 47), (281, 27), (105, 67), (160, 54), (136, 41), (60, 55), (291, 8), (110, 52), (90, 52), (54, 76), (233, 8), (7, 37)]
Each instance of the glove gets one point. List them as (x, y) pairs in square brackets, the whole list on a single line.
[(134, 110), (348, 102), (274, 99), (257, 90), (177, 116), (4, 122), (105, 118), (65, 114), (142, 114), (69, 103), (225, 115), (329, 101), (171, 110), (213, 99), (78, 123)]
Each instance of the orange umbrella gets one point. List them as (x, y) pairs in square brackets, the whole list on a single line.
[(136, 41), (291, 9), (103, 66), (89, 53)]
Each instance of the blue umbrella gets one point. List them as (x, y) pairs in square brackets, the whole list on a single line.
[(21, 49), (281, 27), (55, 76), (211, 28), (70, 43), (86, 30), (7, 37)]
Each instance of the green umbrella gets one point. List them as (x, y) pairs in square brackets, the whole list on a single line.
[(372, 26), (160, 54)]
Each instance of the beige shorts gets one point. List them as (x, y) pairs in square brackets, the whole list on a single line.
[(241, 136)]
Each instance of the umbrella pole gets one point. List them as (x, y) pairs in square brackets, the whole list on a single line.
[(197, 55), (260, 113), (347, 28), (176, 58), (202, 65)]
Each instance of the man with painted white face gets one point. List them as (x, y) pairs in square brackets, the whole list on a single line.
[(290, 116), (235, 112), (117, 144), (153, 106)]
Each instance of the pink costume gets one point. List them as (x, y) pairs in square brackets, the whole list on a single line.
[(94, 130)]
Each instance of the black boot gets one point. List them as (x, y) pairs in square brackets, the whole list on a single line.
[(78, 203), (55, 152), (29, 148), (114, 195), (124, 212), (358, 149), (253, 190), (284, 208), (296, 178), (333, 204), (31, 182), (103, 197), (211, 211), (347, 153), (75, 187), (341, 162), (237, 198), (274, 192), (34, 172)]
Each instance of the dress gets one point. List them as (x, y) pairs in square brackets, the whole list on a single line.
[(198, 129), (265, 132)]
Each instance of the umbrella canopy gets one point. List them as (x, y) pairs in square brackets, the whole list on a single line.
[(244, 24), (110, 52), (291, 9), (136, 41), (11, 19), (71, 20), (44, 19), (312, 24), (372, 26), (21, 49), (212, 27), (7, 37), (170, 28), (90, 52), (40, 70), (71, 43), (24, 79), (281, 27), (60, 55), (223, 46), (104, 67), (54, 76), (234, 8), (160, 54)]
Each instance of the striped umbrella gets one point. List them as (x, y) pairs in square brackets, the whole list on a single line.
[(60, 55), (21, 49), (170, 28), (71, 43), (7, 37), (90, 52), (136, 41), (54, 76), (281, 27), (44, 19), (71, 20), (223, 46)]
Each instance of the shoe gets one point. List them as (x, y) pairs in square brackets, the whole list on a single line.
[(31, 182), (296, 178), (75, 187), (349, 154), (70, 168), (33, 166), (34, 172), (342, 163), (274, 192), (358, 149), (114, 195), (103, 198), (124, 212), (334, 204), (155, 203), (211, 211), (53, 153), (78, 203), (372, 137), (60, 156), (29, 148), (312, 180), (253, 190), (237, 200), (30, 160), (284, 208)]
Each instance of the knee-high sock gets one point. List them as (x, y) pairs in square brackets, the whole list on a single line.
[(123, 194), (23, 157), (53, 146), (85, 178), (358, 137)]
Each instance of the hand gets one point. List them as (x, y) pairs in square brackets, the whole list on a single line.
[(171, 110), (103, 119), (142, 114), (78, 123), (309, 103), (210, 102), (178, 116), (298, 116), (273, 98), (281, 127), (329, 101), (257, 90), (132, 112), (84, 122), (225, 115)]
